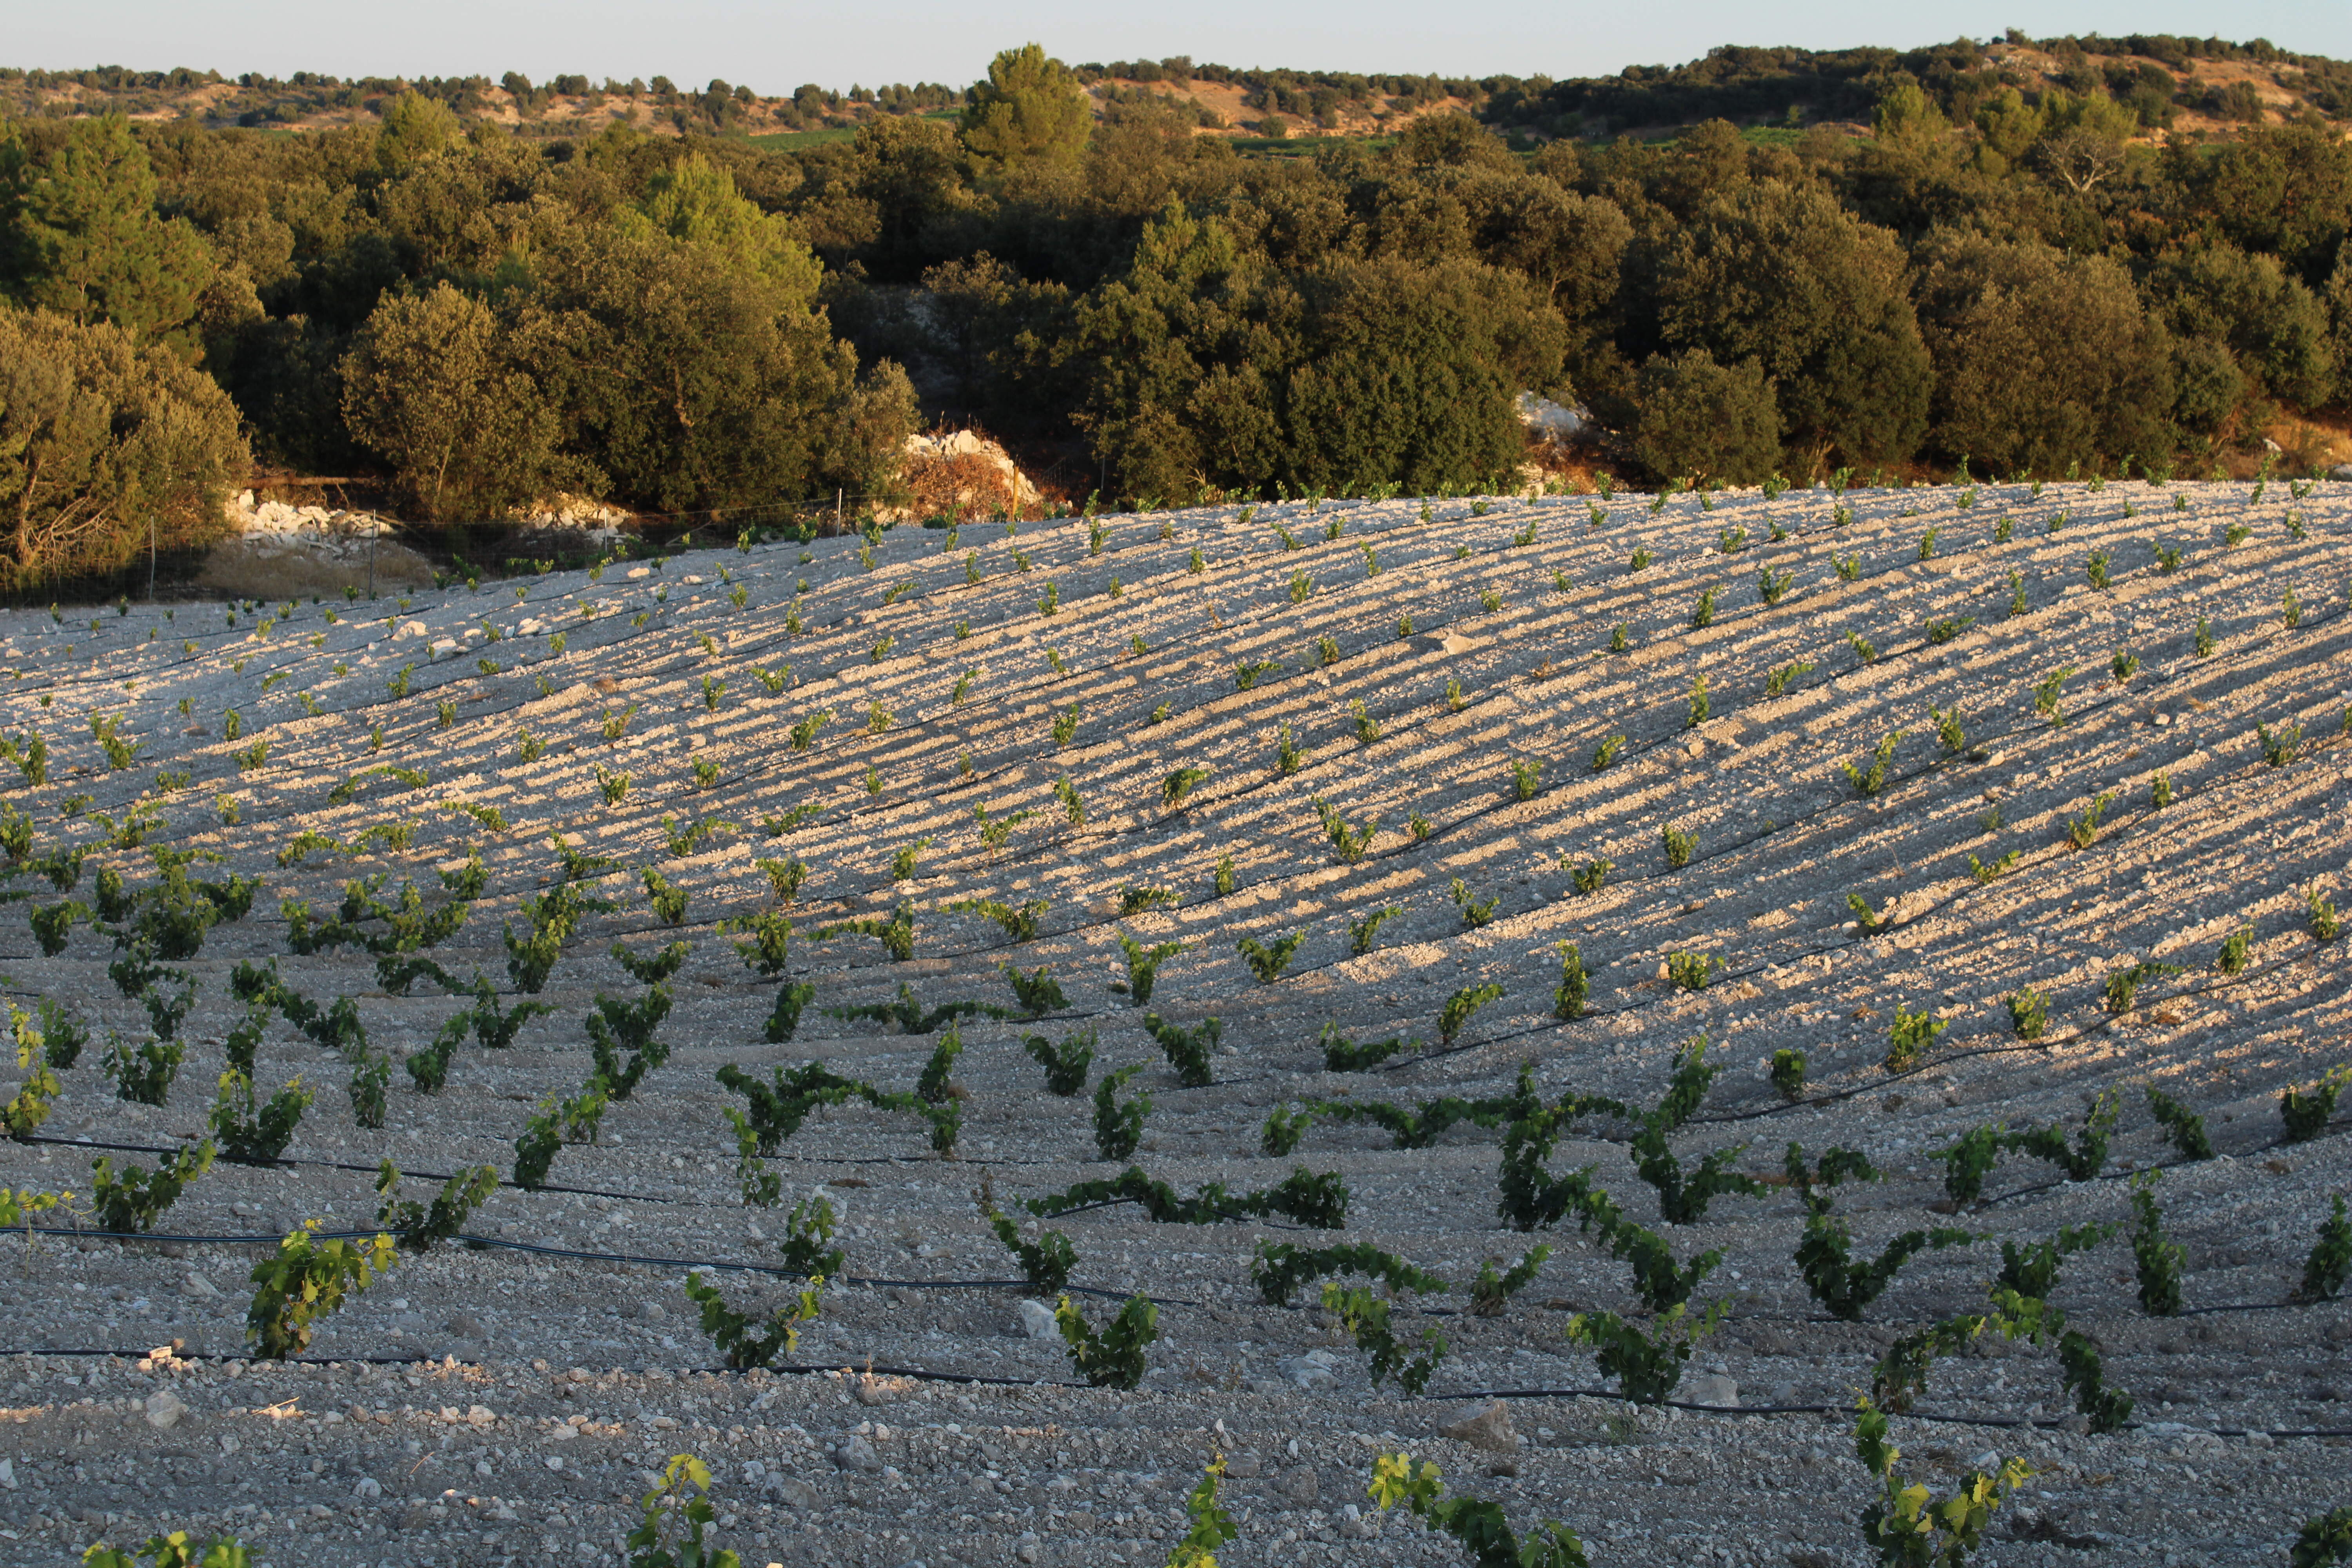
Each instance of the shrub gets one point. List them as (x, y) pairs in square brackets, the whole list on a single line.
[(2156, 1258), (1178, 786), (2046, 693), (2282, 747), (2083, 831), (896, 934), (251, 1136), (2323, 1540), (1844, 1288), (1607, 753), (1677, 844), (1343, 1055), (1478, 1525), (1871, 781), (143, 1075), (2028, 1013), (1703, 613), (1647, 1364), (1047, 1262), (1787, 1072), (1115, 1357), (1911, 1035), (2124, 983), (1188, 1051), (2182, 1127), (1360, 933), (2320, 911), (1036, 992), (1575, 986), (1279, 1268), (2304, 1114), (1268, 961), (1969, 1161), (2329, 1265), (1366, 1316), (1065, 1064), (739, 1343), (1118, 1128), (1906, 1524), (1491, 1293), (1350, 844), (417, 1227), (1456, 1015), (806, 1243), (1143, 965), (784, 1019)]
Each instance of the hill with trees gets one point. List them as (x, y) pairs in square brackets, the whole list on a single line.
[(1165, 279)]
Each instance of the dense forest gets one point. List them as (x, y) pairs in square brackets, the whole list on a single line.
[(1869, 259)]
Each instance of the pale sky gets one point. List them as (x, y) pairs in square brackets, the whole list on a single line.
[(774, 48)]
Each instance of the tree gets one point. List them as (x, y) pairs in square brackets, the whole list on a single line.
[(2274, 327), (1702, 420), (2286, 190), (414, 127), (434, 386), (1783, 276), (78, 235), (685, 380), (103, 436), (2042, 359), (1206, 366), (1029, 109), (696, 201), (1450, 140)]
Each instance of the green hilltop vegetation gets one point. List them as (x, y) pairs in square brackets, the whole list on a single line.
[(1176, 280)]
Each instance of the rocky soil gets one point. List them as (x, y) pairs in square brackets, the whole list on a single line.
[(507, 1403)]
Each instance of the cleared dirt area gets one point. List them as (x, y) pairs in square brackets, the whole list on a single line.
[(504, 1403)]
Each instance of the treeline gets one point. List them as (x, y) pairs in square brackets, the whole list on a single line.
[(695, 323)]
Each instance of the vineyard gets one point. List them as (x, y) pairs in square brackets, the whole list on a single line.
[(1799, 1027)]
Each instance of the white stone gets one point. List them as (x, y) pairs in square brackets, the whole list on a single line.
[(1037, 1321), (1710, 1388), (164, 1410)]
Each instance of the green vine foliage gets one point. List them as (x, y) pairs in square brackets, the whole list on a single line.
[(1188, 1050), (416, 1228), (1366, 1316), (674, 1521), (1907, 1525), (1118, 1128), (308, 1279), (1279, 1268), (1479, 1526), (1067, 1063), (2329, 1266), (1115, 1357), (1646, 1362), (2157, 1257), (173, 1551), (743, 1341), (1207, 1526), (131, 1202), (256, 1135)]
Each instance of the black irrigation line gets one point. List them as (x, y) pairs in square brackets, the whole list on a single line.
[(2040, 1423), (793, 1369), (489, 1244)]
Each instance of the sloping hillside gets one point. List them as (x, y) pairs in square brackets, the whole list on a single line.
[(2070, 752)]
